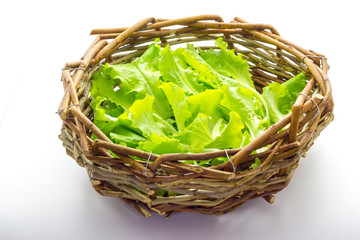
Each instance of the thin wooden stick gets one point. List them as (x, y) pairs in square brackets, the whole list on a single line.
[(295, 119), (183, 21), (113, 45), (77, 76), (74, 99), (89, 124)]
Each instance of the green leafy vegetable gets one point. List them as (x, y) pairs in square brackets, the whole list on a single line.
[(280, 97), (243, 101), (256, 164), (141, 78), (161, 144), (143, 115), (197, 134), (177, 99), (173, 69), (230, 135), (225, 62), (187, 100)]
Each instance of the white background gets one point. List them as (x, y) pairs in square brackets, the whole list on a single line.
[(44, 194)]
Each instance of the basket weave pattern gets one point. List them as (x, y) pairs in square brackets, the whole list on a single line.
[(215, 190)]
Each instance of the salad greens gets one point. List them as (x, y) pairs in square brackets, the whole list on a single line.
[(187, 100)]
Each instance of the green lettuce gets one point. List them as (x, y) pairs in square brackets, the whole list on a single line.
[(187, 100), (233, 68), (177, 99), (174, 69), (138, 79), (280, 97)]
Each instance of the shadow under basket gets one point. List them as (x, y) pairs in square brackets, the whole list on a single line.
[(135, 176)]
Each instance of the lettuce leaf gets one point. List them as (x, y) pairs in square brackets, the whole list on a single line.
[(160, 144), (126, 137), (197, 135), (230, 135), (225, 62), (106, 114), (141, 78), (280, 97), (143, 116), (243, 101), (207, 102), (177, 99), (174, 69), (205, 74), (105, 87), (256, 164)]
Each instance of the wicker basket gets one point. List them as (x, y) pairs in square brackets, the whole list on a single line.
[(215, 190)]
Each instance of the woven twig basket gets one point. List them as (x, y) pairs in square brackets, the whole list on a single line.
[(214, 190)]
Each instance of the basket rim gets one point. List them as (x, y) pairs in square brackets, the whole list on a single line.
[(198, 21)]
